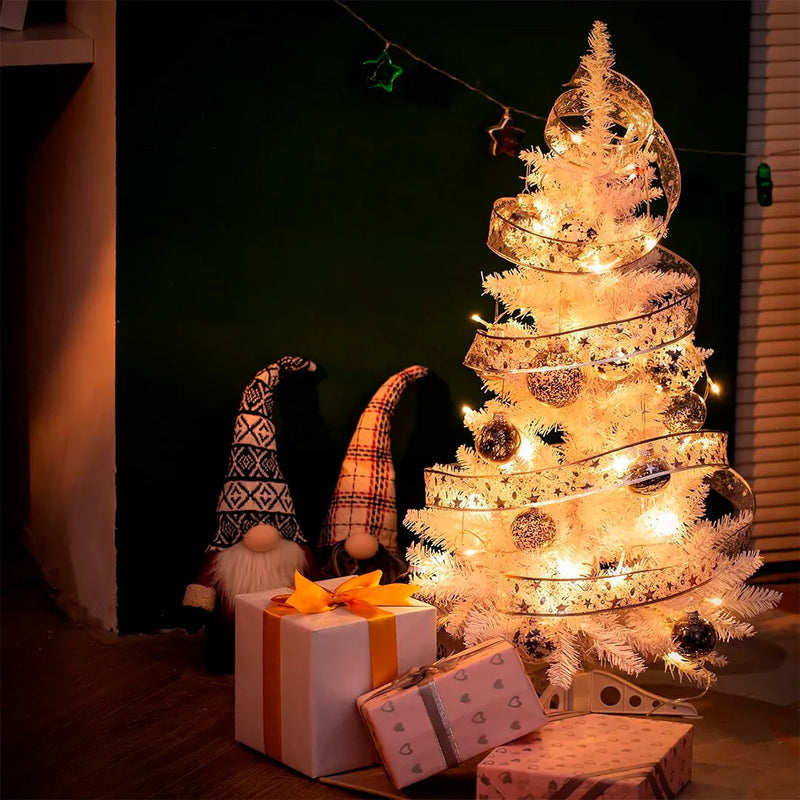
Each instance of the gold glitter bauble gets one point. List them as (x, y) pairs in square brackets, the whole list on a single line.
[(533, 529), (684, 413), (644, 468), (498, 441), (556, 387), (675, 368)]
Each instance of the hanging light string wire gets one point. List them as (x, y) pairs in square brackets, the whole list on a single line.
[(507, 108)]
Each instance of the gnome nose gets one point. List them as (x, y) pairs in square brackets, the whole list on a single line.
[(262, 538), (361, 546)]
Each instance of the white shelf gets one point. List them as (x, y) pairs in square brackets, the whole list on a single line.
[(45, 44)]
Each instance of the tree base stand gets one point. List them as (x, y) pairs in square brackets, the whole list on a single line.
[(601, 692)]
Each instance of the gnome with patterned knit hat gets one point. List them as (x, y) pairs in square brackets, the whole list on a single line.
[(361, 523), (258, 544)]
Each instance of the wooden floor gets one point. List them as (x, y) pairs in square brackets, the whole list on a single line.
[(90, 715)]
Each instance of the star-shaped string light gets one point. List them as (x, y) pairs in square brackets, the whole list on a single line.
[(384, 72), (505, 136)]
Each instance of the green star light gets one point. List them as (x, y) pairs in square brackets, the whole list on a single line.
[(384, 73)]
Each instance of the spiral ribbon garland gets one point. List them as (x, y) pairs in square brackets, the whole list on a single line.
[(451, 487), (513, 231), (497, 352)]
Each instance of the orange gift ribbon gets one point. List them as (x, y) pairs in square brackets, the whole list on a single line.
[(361, 595)]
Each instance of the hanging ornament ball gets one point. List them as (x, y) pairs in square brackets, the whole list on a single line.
[(533, 529), (532, 643), (675, 368), (262, 538), (646, 472), (685, 413), (361, 546), (498, 440), (556, 387), (613, 370), (694, 636)]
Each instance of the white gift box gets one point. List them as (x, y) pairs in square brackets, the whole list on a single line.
[(298, 676)]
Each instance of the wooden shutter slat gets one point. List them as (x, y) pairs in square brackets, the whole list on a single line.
[(789, 498), (785, 452), (789, 422), (787, 208), (771, 100), (758, 288), (770, 302), (778, 409), (769, 439), (769, 364), (776, 514), (787, 240), (775, 37), (781, 76), (774, 255), (777, 483), (778, 130), (780, 194), (782, 528), (771, 271), (743, 462), (778, 160), (768, 394), (780, 557), (771, 378), (775, 21), (768, 333), (770, 7), (776, 316), (772, 225)]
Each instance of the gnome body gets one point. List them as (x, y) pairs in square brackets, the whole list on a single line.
[(258, 543), (361, 523)]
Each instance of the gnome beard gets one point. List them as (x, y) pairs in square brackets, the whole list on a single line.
[(240, 570)]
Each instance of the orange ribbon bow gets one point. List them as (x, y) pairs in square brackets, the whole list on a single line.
[(361, 594)]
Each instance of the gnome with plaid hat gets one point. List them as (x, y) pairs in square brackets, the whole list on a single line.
[(258, 544), (361, 523)]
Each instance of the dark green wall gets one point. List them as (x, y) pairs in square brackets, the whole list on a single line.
[(271, 204)]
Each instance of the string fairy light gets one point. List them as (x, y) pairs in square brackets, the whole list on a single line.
[(388, 43), (505, 123)]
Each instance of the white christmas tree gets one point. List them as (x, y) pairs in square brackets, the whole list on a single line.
[(577, 527)]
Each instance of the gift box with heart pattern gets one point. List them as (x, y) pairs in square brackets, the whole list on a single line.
[(592, 756), (454, 710)]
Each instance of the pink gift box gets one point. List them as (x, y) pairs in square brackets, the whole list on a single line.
[(436, 717), (592, 756)]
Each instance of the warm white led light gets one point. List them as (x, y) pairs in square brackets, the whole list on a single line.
[(661, 522)]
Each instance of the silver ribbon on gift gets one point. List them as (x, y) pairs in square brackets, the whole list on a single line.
[(423, 679)]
